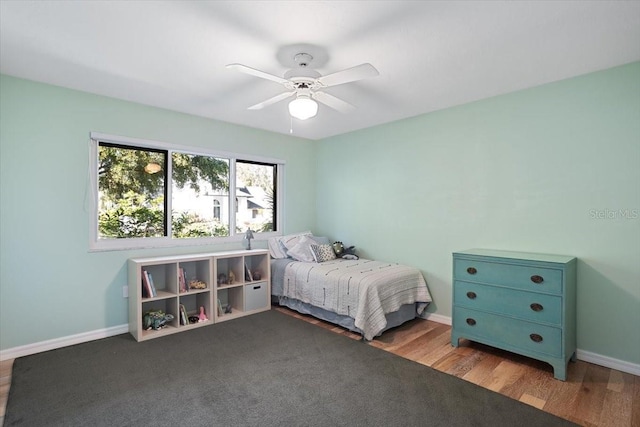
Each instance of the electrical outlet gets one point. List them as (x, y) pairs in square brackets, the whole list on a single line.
[(125, 291)]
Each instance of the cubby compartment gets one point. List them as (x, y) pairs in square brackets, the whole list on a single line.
[(192, 303), (229, 271), (230, 297), (256, 267), (194, 275), (167, 306), (164, 278)]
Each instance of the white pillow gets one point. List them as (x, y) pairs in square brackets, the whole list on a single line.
[(301, 251), (275, 249), (278, 248), (292, 239)]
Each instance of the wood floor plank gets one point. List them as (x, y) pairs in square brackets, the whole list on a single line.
[(424, 344), (616, 409), (594, 384), (616, 381), (533, 382), (532, 401), (6, 368), (505, 374), (483, 369), (635, 406), (563, 399), (466, 364), (452, 359), (397, 337), (441, 348)]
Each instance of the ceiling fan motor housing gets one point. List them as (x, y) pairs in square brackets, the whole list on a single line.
[(302, 75), (303, 59)]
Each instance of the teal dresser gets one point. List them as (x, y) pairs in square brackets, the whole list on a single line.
[(521, 302)]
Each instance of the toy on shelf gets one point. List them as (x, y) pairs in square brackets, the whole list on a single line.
[(197, 284), (202, 317), (155, 319)]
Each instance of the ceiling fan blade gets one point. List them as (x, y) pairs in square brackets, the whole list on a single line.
[(358, 72), (273, 100), (257, 73), (333, 102)]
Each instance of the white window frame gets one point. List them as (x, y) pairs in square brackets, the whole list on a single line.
[(96, 244)]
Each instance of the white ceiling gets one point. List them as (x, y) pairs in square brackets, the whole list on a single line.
[(430, 54)]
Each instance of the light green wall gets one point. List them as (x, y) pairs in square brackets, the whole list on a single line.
[(50, 285), (525, 171)]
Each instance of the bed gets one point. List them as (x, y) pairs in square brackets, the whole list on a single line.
[(362, 295)]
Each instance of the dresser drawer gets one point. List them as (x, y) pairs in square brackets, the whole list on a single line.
[(524, 305), (529, 278), (503, 332)]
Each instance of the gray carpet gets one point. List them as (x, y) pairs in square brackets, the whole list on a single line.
[(267, 369)]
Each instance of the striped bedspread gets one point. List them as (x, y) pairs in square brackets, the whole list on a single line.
[(363, 289)]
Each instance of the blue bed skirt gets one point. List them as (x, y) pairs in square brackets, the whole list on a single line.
[(405, 313)]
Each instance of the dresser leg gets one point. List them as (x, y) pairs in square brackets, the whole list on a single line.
[(574, 358), (559, 370), (454, 340)]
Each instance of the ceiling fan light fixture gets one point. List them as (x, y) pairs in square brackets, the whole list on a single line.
[(303, 107)]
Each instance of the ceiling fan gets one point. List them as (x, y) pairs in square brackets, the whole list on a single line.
[(307, 86)]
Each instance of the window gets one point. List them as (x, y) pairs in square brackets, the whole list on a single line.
[(152, 194), (216, 209), (256, 194), (131, 192), (198, 182)]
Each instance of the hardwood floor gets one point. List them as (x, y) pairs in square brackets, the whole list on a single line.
[(5, 382), (591, 396)]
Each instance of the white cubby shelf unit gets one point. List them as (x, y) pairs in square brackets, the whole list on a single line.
[(248, 291)]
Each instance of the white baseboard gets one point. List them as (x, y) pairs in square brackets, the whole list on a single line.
[(53, 344), (25, 350), (438, 318), (585, 356), (608, 362)]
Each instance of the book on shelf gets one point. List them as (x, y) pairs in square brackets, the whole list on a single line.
[(220, 310), (146, 285), (184, 320), (184, 287), (154, 293), (247, 273)]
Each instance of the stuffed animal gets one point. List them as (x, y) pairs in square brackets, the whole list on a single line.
[(338, 248), (197, 284), (155, 319), (342, 252)]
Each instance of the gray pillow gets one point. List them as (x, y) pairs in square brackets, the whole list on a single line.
[(321, 240)]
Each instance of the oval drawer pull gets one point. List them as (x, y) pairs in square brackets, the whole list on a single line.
[(471, 295), (472, 270), (536, 337), (471, 322), (536, 307), (537, 279)]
